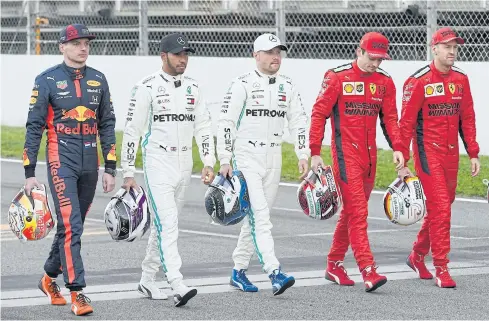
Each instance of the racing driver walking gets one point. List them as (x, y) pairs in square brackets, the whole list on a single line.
[(436, 105), (167, 109), (354, 96), (250, 132), (72, 101)]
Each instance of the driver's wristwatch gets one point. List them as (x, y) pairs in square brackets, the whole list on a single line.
[(111, 171)]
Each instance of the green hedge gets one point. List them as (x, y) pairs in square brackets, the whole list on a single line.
[(13, 142)]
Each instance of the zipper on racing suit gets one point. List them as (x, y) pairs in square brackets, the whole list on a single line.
[(78, 90), (79, 96)]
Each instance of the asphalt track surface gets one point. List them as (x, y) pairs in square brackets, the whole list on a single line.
[(113, 269)]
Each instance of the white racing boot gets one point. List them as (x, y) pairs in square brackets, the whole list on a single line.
[(182, 293), (147, 287)]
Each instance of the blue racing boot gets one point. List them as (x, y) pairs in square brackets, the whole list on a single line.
[(240, 281), (280, 281)]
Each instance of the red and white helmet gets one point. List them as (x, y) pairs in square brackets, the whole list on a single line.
[(318, 195), (30, 217), (404, 201)]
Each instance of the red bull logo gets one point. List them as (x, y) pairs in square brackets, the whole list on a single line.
[(111, 155), (89, 114), (80, 113), (59, 184), (80, 129), (30, 227)]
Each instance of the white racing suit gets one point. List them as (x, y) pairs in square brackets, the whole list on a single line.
[(253, 117), (167, 112)]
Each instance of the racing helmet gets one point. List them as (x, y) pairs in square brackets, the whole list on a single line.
[(227, 200), (318, 194), (127, 215), (30, 217), (486, 182), (404, 201)]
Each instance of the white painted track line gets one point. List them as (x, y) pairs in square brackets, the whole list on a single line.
[(35, 297)]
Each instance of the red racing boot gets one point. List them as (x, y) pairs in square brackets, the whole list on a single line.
[(80, 304), (416, 262), (443, 278), (335, 272), (52, 290), (372, 279)]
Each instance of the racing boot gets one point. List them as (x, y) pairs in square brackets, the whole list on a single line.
[(416, 262), (80, 304), (443, 278), (49, 287), (147, 287), (280, 281), (182, 293), (335, 272), (240, 281), (372, 279)]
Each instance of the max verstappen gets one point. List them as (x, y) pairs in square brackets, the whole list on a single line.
[(72, 102)]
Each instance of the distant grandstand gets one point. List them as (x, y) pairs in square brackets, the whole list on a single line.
[(327, 29)]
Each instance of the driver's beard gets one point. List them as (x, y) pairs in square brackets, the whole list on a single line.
[(449, 63), (172, 68), (272, 70)]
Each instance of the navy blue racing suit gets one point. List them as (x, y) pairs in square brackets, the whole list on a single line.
[(74, 106)]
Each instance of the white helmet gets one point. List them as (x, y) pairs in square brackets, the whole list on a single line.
[(404, 201), (318, 195), (30, 217), (127, 215)]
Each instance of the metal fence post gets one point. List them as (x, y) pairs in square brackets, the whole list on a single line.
[(431, 25), (32, 12), (143, 28), (280, 21), (27, 13)]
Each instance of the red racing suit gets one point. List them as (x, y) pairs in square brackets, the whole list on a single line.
[(354, 100), (435, 108)]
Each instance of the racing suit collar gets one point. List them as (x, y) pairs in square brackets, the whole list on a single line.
[(176, 80), (359, 71), (170, 77), (438, 72), (271, 78), (74, 73)]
